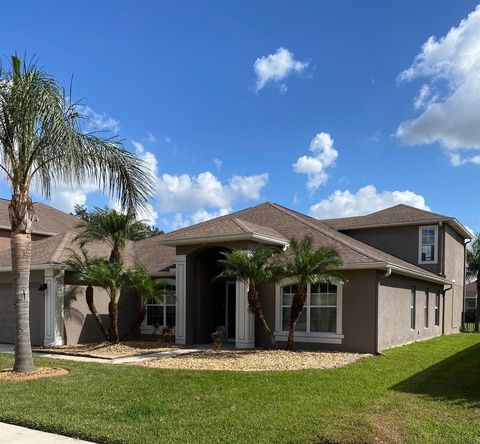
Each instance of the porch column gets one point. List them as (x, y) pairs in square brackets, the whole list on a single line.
[(181, 296), (53, 300), (245, 321)]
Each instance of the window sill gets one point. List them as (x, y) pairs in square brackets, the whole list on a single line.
[(321, 338)]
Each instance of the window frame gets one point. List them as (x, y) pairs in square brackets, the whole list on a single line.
[(307, 336), (145, 328), (413, 308), (437, 308), (426, 309), (435, 244)]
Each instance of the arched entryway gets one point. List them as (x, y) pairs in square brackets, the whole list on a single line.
[(213, 298)]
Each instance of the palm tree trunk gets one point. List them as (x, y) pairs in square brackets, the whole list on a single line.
[(256, 307), (21, 217), (91, 306), (113, 315), (295, 312)]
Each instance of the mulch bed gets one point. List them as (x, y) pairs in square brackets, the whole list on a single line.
[(107, 350), (257, 360), (40, 372)]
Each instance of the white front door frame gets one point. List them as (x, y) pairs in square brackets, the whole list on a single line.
[(181, 299), (245, 320)]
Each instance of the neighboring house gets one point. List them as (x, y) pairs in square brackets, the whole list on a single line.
[(404, 269), (471, 295)]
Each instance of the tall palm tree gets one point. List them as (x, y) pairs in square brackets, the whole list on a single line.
[(308, 266), (42, 144), (473, 272), (253, 268), (112, 227), (113, 278)]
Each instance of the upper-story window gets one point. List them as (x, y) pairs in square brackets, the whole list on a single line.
[(428, 245)]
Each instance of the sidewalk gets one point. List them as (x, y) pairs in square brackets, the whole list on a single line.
[(11, 434)]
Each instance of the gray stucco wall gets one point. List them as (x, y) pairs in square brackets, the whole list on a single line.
[(394, 299), (80, 325), (7, 308), (358, 314), (401, 241)]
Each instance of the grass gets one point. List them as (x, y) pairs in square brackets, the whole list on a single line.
[(424, 392)]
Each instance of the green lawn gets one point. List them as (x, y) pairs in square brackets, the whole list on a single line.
[(425, 392)]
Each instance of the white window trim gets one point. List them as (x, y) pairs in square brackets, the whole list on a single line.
[(435, 248), (149, 329), (307, 336)]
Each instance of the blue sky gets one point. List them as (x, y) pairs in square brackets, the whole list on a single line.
[(302, 103)]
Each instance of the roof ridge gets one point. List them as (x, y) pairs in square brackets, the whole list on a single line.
[(326, 233), (66, 237)]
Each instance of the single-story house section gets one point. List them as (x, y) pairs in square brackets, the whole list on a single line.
[(404, 269)]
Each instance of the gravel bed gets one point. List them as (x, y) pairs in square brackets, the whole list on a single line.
[(40, 372), (108, 350), (257, 360)]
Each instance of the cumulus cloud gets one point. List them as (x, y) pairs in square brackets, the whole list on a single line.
[(324, 156), (179, 220), (450, 97), (366, 200), (184, 192), (218, 163), (98, 122), (276, 68)]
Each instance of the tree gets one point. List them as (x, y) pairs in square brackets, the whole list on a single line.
[(148, 289), (113, 278), (473, 273), (253, 268), (308, 266), (42, 143), (81, 212)]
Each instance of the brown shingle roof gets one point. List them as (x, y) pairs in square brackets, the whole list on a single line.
[(48, 220), (290, 224), (398, 214)]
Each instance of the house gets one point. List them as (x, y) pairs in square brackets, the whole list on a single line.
[(404, 269), (471, 295)]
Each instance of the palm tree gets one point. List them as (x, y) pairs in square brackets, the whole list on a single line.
[(113, 278), (308, 266), (253, 268), (42, 144), (148, 289), (473, 272), (112, 227)]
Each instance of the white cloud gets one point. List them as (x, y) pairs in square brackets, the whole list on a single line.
[(147, 156), (450, 98), (66, 200), (218, 163), (365, 200), (179, 193), (98, 122), (276, 68), (324, 156)]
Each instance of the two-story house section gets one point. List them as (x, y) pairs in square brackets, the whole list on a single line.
[(432, 241)]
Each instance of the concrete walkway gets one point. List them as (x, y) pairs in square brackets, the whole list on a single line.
[(135, 359), (11, 434)]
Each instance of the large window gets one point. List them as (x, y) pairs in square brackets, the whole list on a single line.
[(437, 308), (413, 309), (428, 237), (427, 303), (161, 313), (321, 313)]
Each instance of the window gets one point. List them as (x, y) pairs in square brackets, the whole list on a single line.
[(323, 308), (437, 309), (288, 292), (413, 303), (321, 312), (427, 300), (428, 245), (161, 313), (470, 302)]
